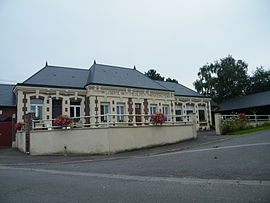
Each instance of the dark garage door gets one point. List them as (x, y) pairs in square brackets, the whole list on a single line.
[(5, 131)]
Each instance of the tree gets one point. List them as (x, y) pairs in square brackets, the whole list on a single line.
[(259, 81), (154, 75), (223, 79), (171, 80)]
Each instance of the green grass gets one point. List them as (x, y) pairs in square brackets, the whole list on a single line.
[(251, 130)]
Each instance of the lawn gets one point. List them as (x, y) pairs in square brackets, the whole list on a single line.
[(251, 130)]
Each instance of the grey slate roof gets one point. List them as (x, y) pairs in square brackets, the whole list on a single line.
[(248, 101), (7, 97), (55, 76), (119, 76), (180, 90), (99, 74)]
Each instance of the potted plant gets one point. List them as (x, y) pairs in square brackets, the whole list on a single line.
[(19, 125), (63, 121), (158, 118)]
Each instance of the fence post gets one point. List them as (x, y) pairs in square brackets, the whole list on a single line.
[(194, 125), (218, 123), (28, 127), (255, 117), (14, 145)]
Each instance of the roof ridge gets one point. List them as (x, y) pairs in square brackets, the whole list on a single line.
[(66, 67), (114, 66), (8, 84)]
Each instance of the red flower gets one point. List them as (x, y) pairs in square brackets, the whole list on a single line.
[(19, 125), (158, 118), (63, 121), (242, 116)]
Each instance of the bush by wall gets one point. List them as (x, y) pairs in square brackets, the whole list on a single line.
[(235, 123)]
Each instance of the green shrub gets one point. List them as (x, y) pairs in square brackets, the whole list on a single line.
[(234, 124)]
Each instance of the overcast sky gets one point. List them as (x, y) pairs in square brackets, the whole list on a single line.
[(174, 37)]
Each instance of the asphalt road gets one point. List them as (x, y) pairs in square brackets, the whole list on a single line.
[(236, 170)]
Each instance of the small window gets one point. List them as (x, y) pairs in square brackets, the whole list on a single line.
[(190, 109), (153, 108), (36, 106), (75, 109), (104, 109), (202, 113), (165, 110), (178, 112), (120, 109)]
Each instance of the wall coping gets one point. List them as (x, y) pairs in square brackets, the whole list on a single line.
[(112, 127)]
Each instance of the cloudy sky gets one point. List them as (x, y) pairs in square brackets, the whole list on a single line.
[(175, 37)]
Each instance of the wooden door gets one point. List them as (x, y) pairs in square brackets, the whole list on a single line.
[(5, 131)]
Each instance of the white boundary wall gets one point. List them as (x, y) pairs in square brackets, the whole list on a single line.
[(20, 141), (105, 140)]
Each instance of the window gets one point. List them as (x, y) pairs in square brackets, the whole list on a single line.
[(165, 110), (178, 112), (75, 109), (202, 113), (153, 108), (36, 106), (120, 109), (190, 109), (104, 109)]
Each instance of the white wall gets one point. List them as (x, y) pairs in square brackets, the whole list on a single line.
[(107, 140), (20, 141)]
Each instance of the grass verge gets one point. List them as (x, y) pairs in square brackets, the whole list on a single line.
[(251, 130)]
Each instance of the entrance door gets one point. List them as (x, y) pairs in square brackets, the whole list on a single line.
[(5, 131), (138, 111), (56, 108)]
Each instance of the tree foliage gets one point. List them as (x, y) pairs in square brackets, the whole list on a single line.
[(171, 80), (152, 73), (223, 79), (259, 81)]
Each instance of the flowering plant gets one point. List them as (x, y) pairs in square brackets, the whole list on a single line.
[(19, 125), (63, 121), (242, 116), (158, 118)]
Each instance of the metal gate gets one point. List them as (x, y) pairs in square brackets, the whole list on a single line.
[(5, 131)]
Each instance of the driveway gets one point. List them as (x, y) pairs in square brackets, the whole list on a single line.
[(229, 169)]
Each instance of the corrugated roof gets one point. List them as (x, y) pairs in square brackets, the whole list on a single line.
[(248, 101), (119, 76), (7, 97), (180, 90), (56, 76)]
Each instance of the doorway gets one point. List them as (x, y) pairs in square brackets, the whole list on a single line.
[(138, 110), (56, 108), (5, 131)]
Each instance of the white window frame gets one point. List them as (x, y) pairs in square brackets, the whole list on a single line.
[(165, 110), (75, 110), (120, 109), (190, 107), (177, 108), (105, 104), (153, 108), (36, 111)]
